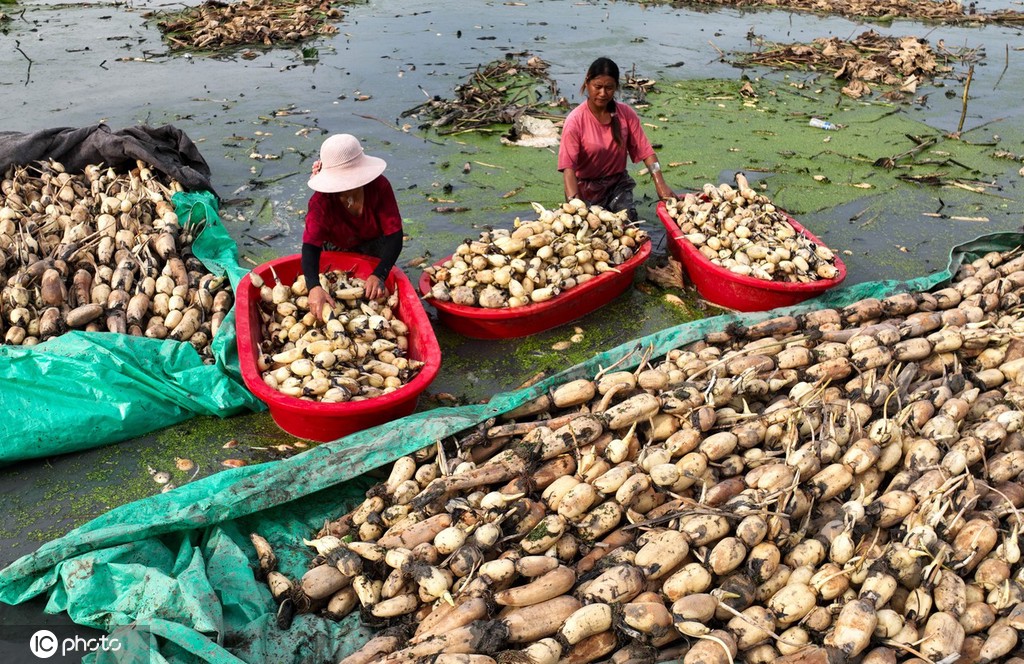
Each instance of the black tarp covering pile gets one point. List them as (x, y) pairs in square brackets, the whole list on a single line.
[(166, 148)]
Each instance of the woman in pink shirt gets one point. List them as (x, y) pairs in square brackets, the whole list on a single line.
[(353, 209), (597, 136)]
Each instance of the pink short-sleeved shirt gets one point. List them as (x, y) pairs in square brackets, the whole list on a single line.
[(327, 220), (587, 146)]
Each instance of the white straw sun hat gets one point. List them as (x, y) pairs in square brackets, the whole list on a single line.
[(343, 165)]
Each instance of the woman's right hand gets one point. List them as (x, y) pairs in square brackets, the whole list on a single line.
[(318, 297)]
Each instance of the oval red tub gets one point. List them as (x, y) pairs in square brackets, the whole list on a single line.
[(512, 322), (736, 291), (329, 421)]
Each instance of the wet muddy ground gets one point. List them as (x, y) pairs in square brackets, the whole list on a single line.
[(259, 123)]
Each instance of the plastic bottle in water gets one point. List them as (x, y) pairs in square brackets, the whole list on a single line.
[(823, 124)]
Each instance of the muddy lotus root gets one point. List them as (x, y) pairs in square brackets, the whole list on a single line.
[(838, 486), (357, 352), (537, 259), (742, 231), (102, 251)]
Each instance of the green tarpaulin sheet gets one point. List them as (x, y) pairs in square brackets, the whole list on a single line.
[(172, 574), (86, 389)]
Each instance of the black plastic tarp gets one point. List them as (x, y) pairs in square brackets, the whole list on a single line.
[(166, 148)]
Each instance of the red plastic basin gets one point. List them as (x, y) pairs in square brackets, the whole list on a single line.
[(511, 322), (328, 421), (736, 291)]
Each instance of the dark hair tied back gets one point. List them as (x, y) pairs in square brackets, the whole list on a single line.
[(606, 67)]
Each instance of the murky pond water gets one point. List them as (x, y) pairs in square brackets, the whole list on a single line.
[(83, 63)]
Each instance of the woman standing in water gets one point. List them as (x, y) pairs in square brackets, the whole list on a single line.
[(597, 137)]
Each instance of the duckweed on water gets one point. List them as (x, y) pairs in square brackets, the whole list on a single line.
[(476, 369), (704, 128), (87, 484), (259, 255)]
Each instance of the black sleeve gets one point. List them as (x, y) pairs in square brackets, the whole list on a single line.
[(392, 246), (311, 264)]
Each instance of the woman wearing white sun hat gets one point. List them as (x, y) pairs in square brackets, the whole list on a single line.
[(353, 209)]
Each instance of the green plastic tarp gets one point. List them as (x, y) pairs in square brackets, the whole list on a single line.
[(173, 573), (86, 389)]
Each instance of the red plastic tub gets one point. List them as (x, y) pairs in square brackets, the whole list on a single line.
[(511, 322), (736, 291), (329, 421)]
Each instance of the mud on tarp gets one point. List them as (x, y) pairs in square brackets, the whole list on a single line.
[(86, 389), (172, 574)]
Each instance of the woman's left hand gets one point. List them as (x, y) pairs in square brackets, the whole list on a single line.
[(665, 192), (374, 288)]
